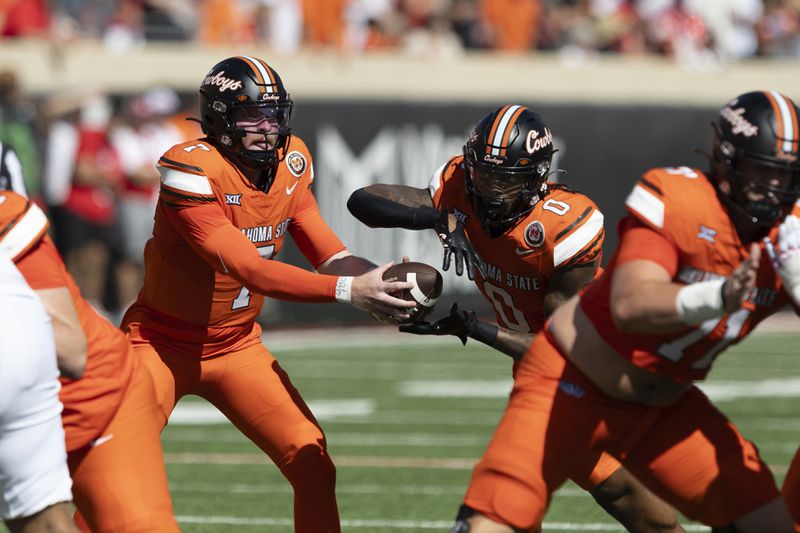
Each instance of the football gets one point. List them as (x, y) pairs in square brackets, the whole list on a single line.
[(427, 286)]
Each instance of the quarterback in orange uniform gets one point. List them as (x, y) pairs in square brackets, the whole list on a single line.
[(615, 367), (111, 419), (226, 204), (529, 245)]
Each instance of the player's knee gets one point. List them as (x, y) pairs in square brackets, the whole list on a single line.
[(310, 466), (469, 520)]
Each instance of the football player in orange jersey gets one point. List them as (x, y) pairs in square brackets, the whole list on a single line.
[(539, 242), (110, 418), (227, 202), (615, 367)]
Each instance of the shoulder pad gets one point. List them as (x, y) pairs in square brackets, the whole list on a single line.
[(182, 168), (22, 224), (444, 173), (575, 226), (660, 186)]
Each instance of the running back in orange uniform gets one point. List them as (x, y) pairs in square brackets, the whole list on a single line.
[(534, 245), (111, 437), (562, 231), (226, 204), (615, 367)]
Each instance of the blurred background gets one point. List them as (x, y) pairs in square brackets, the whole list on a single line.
[(92, 92)]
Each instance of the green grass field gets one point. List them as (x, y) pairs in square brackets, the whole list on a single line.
[(406, 419)]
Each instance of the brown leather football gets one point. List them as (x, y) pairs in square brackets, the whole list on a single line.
[(427, 286)]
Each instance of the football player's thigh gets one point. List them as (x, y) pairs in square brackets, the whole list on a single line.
[(695, 458), (595, 468), (172, 376), (543, 432), (255, 393), (120, 483)]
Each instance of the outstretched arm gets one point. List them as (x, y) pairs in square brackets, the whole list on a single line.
[(394, 206), (400, 206)]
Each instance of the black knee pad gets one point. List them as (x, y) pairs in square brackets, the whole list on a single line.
[(464, 513), (462, 526)]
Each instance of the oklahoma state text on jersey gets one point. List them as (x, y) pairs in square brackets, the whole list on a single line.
[(563, 230), (90, 402), (194, 290), (681, 205)]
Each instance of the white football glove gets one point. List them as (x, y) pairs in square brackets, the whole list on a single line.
[(786, 257)]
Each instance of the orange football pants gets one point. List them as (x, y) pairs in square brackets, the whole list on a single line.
[(119, 482), (688, 453), (791, 490), (255, 393), (593, 469)]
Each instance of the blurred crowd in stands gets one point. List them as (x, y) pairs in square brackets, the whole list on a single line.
[(698, 32), (89, 160)]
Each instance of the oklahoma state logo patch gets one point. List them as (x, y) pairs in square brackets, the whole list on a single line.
[(296, 163)]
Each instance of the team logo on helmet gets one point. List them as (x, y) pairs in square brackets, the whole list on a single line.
[(296, 163), (534, 143), (223, 82), (738, 123), (534, 234)]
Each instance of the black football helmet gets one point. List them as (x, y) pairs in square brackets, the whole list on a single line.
[(507, 160), (245, 88), (756, 142)]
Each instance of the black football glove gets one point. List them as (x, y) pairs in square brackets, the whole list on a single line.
[(459, 323), (456, 244)]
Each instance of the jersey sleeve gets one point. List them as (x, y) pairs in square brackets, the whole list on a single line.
[(42, 266), (315, 239), (639, 241), (184, 180), (579, 232), (22, 224), (212, 236)]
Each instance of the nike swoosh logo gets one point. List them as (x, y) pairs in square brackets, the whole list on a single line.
[(100, 440), (290, 191), (520, 251)]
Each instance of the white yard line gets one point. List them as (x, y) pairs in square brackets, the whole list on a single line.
[(718, 391), (397, 524)]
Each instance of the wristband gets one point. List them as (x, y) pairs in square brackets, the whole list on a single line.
[(699, 302), (484, 332), (344, 289)]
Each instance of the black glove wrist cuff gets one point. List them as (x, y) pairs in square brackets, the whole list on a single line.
[(484, 332), (427, 217)]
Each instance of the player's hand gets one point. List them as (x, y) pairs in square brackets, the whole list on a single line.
[(741, 281), (372, 294), (456, 244), (786, 257), (458, 323)]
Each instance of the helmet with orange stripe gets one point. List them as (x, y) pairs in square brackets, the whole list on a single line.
[(507, 158), (756, 160), (246, 111)]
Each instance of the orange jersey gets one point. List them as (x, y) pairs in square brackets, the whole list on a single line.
[(209, 263), (701, 244), (563, 230), (90, 402)]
